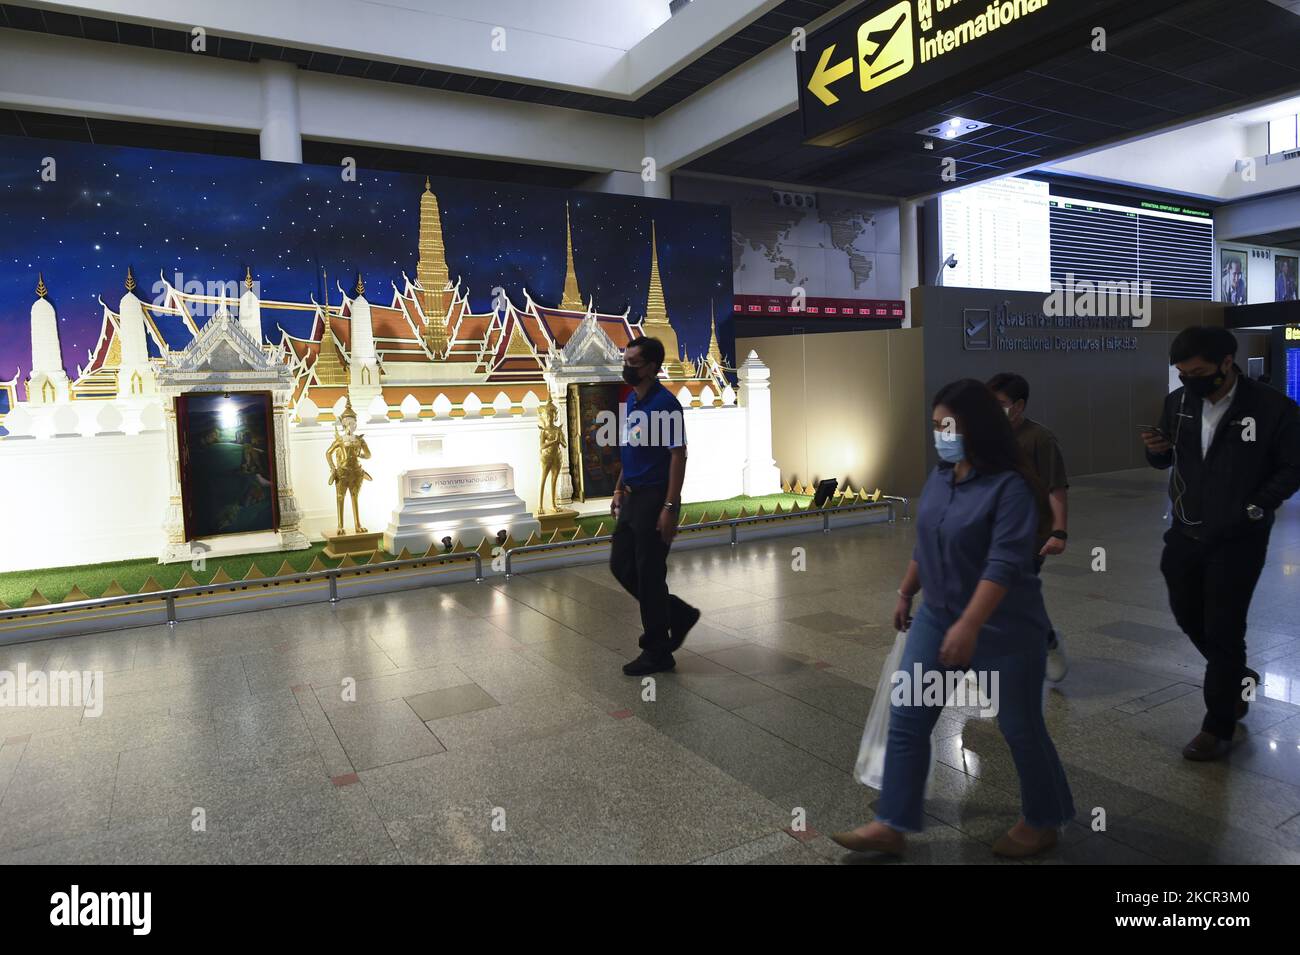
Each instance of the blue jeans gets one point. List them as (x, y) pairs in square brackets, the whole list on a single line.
[(1021, 663)]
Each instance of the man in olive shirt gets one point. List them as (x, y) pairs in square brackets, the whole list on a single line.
[(1043, 455)]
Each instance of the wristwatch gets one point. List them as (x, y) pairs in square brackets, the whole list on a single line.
[(669, 507), (1254, 512), (1059, 535)]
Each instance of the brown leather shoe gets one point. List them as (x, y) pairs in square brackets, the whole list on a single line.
[(1009, 847), (891, 845), (1206, 747)]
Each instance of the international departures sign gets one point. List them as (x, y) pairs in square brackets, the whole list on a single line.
[(890, 58)]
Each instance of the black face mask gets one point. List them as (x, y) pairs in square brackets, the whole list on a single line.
[(631, 375), (1202, 386)]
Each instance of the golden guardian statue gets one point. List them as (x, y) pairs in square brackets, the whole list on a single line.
[(344, 458)]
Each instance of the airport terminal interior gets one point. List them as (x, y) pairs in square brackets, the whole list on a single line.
[(650, 432)]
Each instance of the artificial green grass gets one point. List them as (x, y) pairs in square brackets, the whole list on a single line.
[(691, 512), (55, 583)]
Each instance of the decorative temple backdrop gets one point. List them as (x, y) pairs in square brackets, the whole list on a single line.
[(452, 311), (212, 219)]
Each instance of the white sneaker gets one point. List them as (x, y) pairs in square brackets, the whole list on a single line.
[(1058, 664)]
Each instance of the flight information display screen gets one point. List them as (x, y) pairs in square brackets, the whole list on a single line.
[(1172, 247), (1000, 233), (1024, 235)]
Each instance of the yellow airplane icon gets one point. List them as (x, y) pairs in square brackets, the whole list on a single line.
[(885, 46)]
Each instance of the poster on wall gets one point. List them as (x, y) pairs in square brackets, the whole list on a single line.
[(1233, 280), (594, 464), (227, 464), (1284, 277), (830, 245)]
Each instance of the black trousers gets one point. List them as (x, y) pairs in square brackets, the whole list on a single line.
[(1210, 586), (638, 559)]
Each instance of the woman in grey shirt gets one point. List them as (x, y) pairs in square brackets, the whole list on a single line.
[(982, 610)]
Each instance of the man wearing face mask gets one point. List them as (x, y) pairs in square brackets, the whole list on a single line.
[(1233, 447), (1043, 455), (647, 506)]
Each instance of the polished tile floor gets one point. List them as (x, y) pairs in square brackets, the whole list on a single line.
[(491, 723)]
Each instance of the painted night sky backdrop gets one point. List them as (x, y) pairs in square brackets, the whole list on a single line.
[(209, 217)]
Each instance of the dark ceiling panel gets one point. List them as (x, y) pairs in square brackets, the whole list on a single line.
[(1185, 63)]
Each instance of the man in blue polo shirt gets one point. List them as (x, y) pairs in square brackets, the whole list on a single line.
[(647, 505)]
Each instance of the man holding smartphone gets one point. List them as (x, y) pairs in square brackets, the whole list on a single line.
[(1233, 447), (647, 505)]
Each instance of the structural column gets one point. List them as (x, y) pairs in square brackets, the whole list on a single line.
[(760, 474), (909, 260), (281, 136)]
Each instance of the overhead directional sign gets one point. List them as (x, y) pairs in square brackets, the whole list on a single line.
[(889, 58)]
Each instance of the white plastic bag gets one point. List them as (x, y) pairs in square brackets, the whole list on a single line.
[(870, 768)]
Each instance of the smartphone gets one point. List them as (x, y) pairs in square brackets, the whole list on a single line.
[(1152, 429)]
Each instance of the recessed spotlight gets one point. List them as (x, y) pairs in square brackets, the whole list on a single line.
[(953, 127)]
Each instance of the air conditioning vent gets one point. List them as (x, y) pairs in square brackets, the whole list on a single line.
[(796, 200)]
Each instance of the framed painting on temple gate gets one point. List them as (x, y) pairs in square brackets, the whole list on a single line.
[(594, 462), (227, 463)]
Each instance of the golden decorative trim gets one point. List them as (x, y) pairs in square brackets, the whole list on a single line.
[(114, 589), (318, 564), (76, 593), (221, 577), (150, 586), (37, 599), (41, 290), (187, 580), (130, 279)]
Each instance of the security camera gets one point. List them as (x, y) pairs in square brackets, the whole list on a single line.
[(948, 263)]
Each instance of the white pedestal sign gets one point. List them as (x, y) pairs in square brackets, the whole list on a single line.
[(457, 502)]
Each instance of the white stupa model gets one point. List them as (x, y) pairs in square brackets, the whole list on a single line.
[(48, 382)]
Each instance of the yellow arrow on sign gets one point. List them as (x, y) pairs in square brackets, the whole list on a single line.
[(825, 75)]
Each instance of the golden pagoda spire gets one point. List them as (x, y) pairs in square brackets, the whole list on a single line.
[(329, 367), (248, 278), (130, 279), (41, 290), (572, 297), (656, 323), (360, 287), (431, 273), (715, 352)]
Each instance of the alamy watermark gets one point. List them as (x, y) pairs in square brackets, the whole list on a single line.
[(640, 429), (922, 687), (1085, 299), (42, 688)]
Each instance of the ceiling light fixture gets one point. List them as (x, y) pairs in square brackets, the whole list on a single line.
[(953, 128)]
